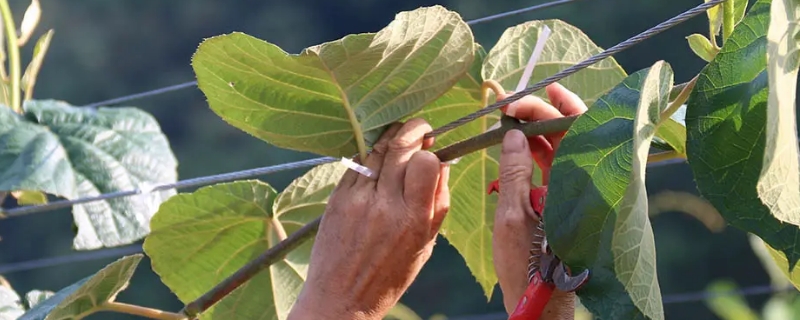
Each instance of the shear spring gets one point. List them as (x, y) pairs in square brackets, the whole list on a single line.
[(536, 250)]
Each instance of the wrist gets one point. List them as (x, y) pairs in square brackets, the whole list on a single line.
[(313, 304)]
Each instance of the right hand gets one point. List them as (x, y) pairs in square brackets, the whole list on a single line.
[(515, 222)]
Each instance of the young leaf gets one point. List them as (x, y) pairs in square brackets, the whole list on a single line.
[(779, 184), (75, 152), (468, 225), (10, 304), (566, 47), (335, 98), (714, 19), (740, 8), (28, 197), (29, 21), (596, 213), (728, 306), (674, 134), (28, 80), (203, 237), (702, 47), (725, 123), (35, 297), (87, 295)]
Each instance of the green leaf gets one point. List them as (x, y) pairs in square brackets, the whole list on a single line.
[(714, 18), (75, 152), (401, 312), (726, 122), (740, 8), (87, 295), (566, 46), (728, 306), (28, 80), (35, 297), (10, 305), (778, 307), (702, 47), (674, 134), (201, 238), (779, 184), (27, 197), (335, 97), (469, 222), (596, 213), (782, 264)]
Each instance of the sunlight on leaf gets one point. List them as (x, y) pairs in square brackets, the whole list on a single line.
[(76, 152), (28, 80), (566, 47), (774, 263), (28, 197), (336, 97), (728, 107), (702, 47), (35, 297), (10, 304), (714, 18), (87, 295), (596, 213), (779, 184), (728, 306), (674, 134), (201, 238)]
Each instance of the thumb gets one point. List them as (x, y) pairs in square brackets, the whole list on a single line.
[(516, 169)]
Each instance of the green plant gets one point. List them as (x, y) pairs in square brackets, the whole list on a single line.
[(337, 97)]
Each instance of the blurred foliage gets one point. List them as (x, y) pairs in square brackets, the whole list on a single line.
[(105, 49)]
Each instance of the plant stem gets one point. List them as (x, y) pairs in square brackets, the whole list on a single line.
[(278, 228), (679, 100), (663, 156), (140, 311), (13, 54), (727, 19)]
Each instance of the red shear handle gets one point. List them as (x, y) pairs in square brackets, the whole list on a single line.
[(536, 297)]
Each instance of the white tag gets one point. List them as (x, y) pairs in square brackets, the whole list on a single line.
[(350, 164)]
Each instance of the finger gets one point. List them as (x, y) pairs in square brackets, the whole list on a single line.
[(400, 148), (375, 158), (428, 143), (442, 202), (420, 182), (568, 103), (533, 108), (516, 169)]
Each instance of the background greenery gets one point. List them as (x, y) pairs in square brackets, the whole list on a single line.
[(105, 49)]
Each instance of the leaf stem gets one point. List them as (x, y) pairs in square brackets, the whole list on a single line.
[(297, 238), (278, 227), (140, 311), (664, 156), (727, 19), (679, 100), (13, 54)]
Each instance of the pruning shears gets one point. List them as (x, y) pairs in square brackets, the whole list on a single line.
[(546, 271)]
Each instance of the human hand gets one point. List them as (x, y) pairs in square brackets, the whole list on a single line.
[(376, 234), (515, 222)]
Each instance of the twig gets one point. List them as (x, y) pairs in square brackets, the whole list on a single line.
[(140, 311), (13, 54), (679, 99)]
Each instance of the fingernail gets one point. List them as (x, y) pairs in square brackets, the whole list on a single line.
[(514, 142)]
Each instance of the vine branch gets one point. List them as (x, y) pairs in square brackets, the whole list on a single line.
[(13, 54), (120, 307)]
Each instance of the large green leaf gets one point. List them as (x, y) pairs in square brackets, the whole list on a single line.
[(779, 184), (87, 295), (334, 97), (726, 133), (79, 152), (203, 237), (566, 46), (10, 304), (596, 214)]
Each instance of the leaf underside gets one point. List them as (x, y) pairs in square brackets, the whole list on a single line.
[(201, 238), (76, 152)]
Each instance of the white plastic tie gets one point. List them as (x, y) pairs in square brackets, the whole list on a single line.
[(544, 34), (350, 164)]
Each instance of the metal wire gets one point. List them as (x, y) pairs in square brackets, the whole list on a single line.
[(578, 67), (195, 182), (189, 84)]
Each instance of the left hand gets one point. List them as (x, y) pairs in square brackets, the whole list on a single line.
[(377, 233)]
